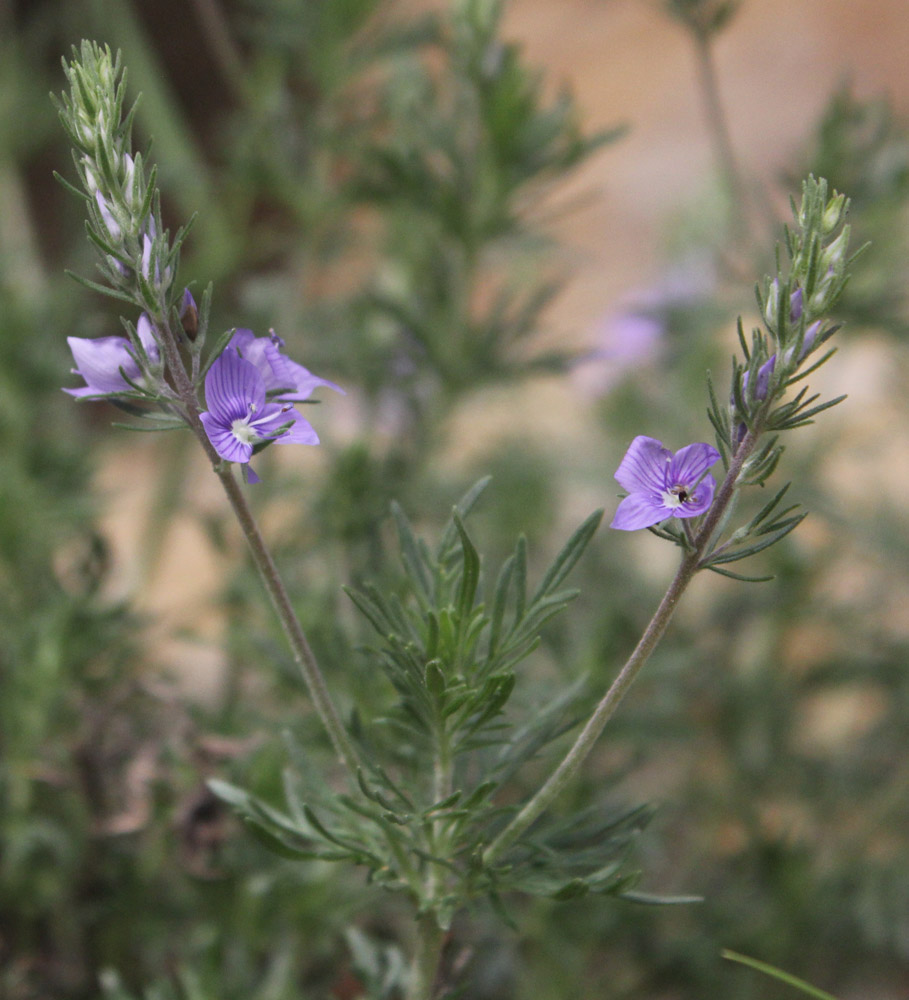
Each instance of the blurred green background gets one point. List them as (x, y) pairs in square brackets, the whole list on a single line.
[(505, 282)]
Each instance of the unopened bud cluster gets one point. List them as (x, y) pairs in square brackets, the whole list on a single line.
[(123, 204), (794, 306)]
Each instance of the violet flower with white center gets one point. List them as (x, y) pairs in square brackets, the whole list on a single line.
[(239, 416), (662, 485), (284, 379), (103, 362)]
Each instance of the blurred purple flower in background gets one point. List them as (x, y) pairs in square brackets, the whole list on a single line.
[(632, 335), (104, 361), (662, 485)]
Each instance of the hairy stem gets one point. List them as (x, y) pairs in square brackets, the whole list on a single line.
[(265, 564), (691, 563)]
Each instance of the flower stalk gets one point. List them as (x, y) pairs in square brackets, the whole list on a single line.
[(139, 262), (263, 560), (691, 562)]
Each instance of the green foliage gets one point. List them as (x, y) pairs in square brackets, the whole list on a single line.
[(432, 795), (453, 177), (797, 847)]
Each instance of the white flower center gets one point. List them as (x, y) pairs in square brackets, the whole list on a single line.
[(243, 432), (676, 496)]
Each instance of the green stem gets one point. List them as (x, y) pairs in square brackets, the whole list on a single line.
[(425, 964), (691, 563), (268, 571)]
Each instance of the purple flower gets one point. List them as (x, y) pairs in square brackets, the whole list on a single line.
[(662, 485), (239, 417), (104, 361), (284, 379)]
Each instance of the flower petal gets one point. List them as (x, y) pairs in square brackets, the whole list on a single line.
[(690, 463), (99, 362), (278, 371), (644, 467), (640, 510), (289, 374), (225, 442), (232, 385), (301, 431)]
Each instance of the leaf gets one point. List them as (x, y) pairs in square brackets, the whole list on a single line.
[(470, 574), (520, 579), (775, 973), (571, 552), (750, 550), (500, 601), (411, 555), (220, 344), (739, 576), (372, 612), (463, 508)]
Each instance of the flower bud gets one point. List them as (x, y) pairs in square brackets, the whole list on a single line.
[(824, 293), (762, 382), (131, 193), (833, 257), (833, 213), (145, 263), (772, 303), (807, 343), (189, 315), (110, 223), (795, 306)]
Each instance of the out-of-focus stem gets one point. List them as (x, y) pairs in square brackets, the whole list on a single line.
[(426, 959), (262, 558), (724, 154)]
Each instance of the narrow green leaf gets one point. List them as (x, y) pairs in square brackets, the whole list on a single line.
[(470, 573), (520, 579), (411, 556), (653, 899), (566, 559), (775, 973), (101, 289), (216, 352), (768, 508), (499, 603), (369, 610), (274, 843), (735, 555), (740, 576), (463, 507)]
